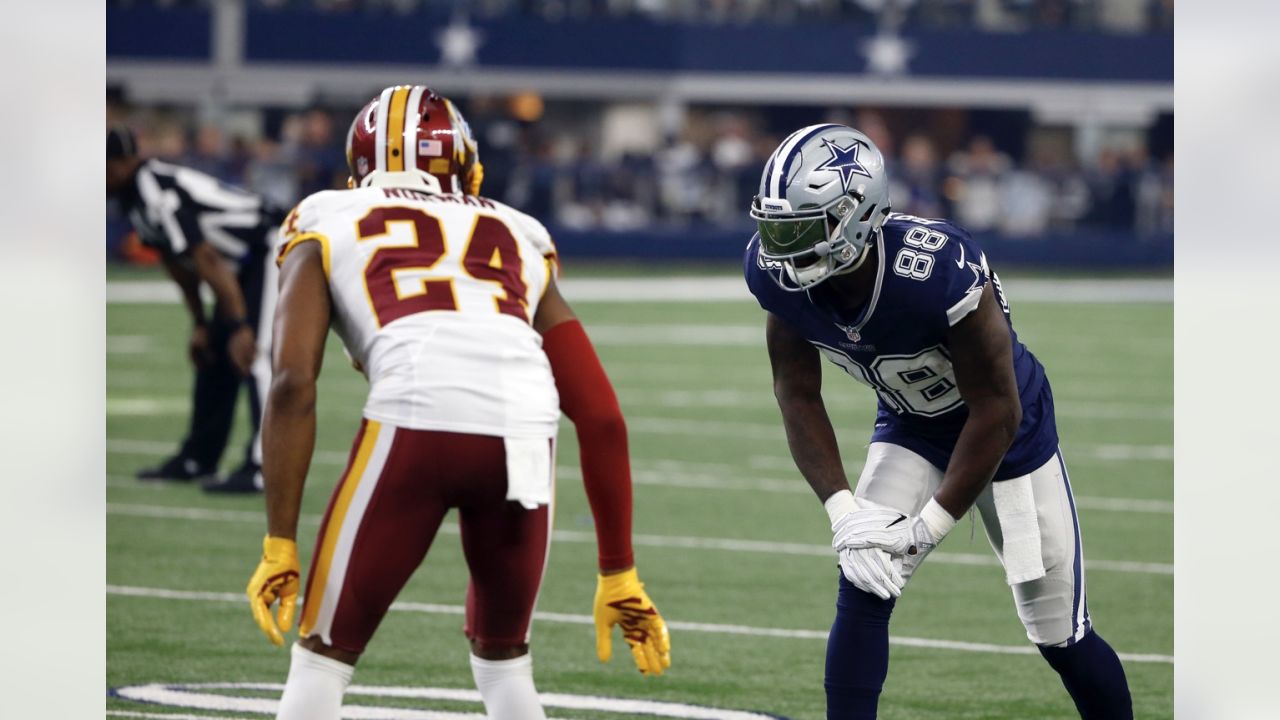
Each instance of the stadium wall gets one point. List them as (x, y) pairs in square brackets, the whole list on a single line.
[(1085, 250), (307, 36)]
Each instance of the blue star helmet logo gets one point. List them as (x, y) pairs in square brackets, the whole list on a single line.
[(844, 161)]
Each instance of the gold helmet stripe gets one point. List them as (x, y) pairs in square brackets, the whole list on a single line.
[(395, 128)]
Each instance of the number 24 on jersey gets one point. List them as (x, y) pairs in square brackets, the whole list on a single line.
[(491, 255)]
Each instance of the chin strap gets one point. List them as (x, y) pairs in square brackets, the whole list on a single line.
[(475, 178)]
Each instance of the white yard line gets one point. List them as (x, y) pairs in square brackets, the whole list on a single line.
[(169, 715), (148, 406), (668, 473), (678, 334), (437, 609), (731, 288), (773, 431), (128, 344), (763, 399), (721, 428), (171, 512)]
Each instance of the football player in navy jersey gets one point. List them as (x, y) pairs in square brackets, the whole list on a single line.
[(910, 307)]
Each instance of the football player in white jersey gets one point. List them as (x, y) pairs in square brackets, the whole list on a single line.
[(447, 302)]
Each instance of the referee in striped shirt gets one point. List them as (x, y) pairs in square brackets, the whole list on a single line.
[(220, 236)]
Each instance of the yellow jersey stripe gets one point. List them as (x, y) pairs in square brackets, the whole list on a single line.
[(333, 529), (296, 240)]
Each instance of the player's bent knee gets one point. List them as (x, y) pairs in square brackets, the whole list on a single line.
[(317, 646), (1047, 609), (498, 651)]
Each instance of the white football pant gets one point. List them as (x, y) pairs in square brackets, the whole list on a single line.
[(1032, 525)]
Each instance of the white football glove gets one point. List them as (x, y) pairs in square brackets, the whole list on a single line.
[(870, 569), (909, 538)]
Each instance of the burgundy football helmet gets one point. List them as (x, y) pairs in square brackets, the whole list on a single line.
[(411, 129)]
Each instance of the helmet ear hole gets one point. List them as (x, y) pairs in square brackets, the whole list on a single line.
[(867, 215)]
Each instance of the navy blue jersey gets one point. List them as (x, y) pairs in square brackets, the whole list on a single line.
[(930, 275)]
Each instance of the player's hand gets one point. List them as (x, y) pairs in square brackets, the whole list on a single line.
[(621, 600), (871, 526), (241, 349), (872, 570), (198, 346), (909, 538), (275, 579)]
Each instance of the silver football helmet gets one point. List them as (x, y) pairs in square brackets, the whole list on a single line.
[(823, 196)]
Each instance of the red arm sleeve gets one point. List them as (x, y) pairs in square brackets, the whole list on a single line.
[(587, 398)]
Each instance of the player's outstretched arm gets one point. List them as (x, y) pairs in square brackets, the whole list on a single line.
[(289, 432), (587, 398), (797, 385)]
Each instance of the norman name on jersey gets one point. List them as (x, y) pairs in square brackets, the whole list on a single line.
[(433, 296), (930, 275)]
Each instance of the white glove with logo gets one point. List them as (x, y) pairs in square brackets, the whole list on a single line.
[(909, 538), (870, 569)]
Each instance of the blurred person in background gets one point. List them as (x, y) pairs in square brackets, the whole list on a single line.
[(271, 173), (977, 175), (1025, 204), (211, 234), (321, 163), (916, 181), (209, 154), (1112, 192)]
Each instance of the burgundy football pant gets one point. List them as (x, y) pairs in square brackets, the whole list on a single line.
[(383, 516)]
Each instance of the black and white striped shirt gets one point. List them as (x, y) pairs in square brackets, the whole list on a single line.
[(175, 208)]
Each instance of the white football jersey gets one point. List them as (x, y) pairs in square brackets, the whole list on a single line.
[(434, 295)]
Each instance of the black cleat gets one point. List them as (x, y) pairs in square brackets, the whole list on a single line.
[(177, 469), (245, 479)]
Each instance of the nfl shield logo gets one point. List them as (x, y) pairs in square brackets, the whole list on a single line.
[(851, 332)]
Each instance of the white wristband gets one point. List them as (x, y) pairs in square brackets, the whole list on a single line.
[(840, 504), (938, 520)]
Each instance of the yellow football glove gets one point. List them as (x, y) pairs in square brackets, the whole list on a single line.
[(275, 579), (621, 600)]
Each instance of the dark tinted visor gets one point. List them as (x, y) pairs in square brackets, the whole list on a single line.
[(790, 237)]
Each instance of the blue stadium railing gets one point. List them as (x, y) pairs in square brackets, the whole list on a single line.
[(1091, 249), (303, 35), (1095, 250)]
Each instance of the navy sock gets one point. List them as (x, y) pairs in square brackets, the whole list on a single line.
[(1092, 673), (857, 654)]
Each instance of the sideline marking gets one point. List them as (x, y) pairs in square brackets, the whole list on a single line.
[(731, 288), (568, 618), (170, 512)]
